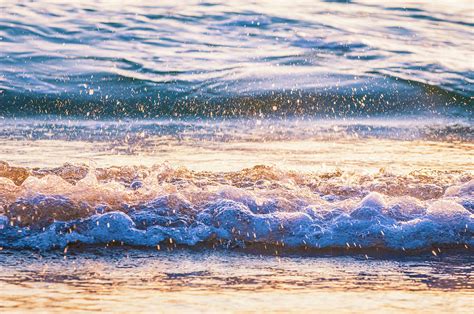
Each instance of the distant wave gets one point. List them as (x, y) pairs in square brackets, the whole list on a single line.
[(261, 206), (361, 98), (97, 59)]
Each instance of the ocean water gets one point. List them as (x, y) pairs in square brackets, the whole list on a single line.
[(225, 151), (117, 280), (331, 58)]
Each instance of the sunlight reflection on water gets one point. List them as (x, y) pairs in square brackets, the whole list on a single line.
[(224, 281)]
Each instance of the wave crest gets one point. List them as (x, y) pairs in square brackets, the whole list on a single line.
[(56, 207)]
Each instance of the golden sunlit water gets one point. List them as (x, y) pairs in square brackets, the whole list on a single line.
[(169, 279), (114, 280), (236, 156), (361, 145)]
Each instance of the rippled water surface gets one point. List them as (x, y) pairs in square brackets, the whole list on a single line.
[(332, 57), (362, 145), (285, 156), (209, 281)]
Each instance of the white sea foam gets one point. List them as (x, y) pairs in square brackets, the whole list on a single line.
[(260, 206)]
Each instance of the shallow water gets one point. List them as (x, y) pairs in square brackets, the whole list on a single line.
[(303, 144), (209, 281), (370, 184), (209, 156)]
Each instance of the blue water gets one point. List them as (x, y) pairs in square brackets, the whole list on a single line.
[(236, 156), (260, 208), (305, 82), (325, 58)]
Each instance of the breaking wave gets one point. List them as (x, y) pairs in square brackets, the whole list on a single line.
[(162, 206)]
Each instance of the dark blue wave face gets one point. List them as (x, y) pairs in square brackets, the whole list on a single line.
[(124, 58)]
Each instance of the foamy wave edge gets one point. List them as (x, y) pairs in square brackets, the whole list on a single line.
[(261, 206)]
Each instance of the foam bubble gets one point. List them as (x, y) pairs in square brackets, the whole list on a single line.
[(446, 211), (260, 205)]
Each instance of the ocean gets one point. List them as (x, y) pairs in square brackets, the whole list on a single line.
[(240, 156)]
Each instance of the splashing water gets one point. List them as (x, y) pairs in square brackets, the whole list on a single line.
[(330, 58), (351, 121), (301, 155), (259, 206)]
